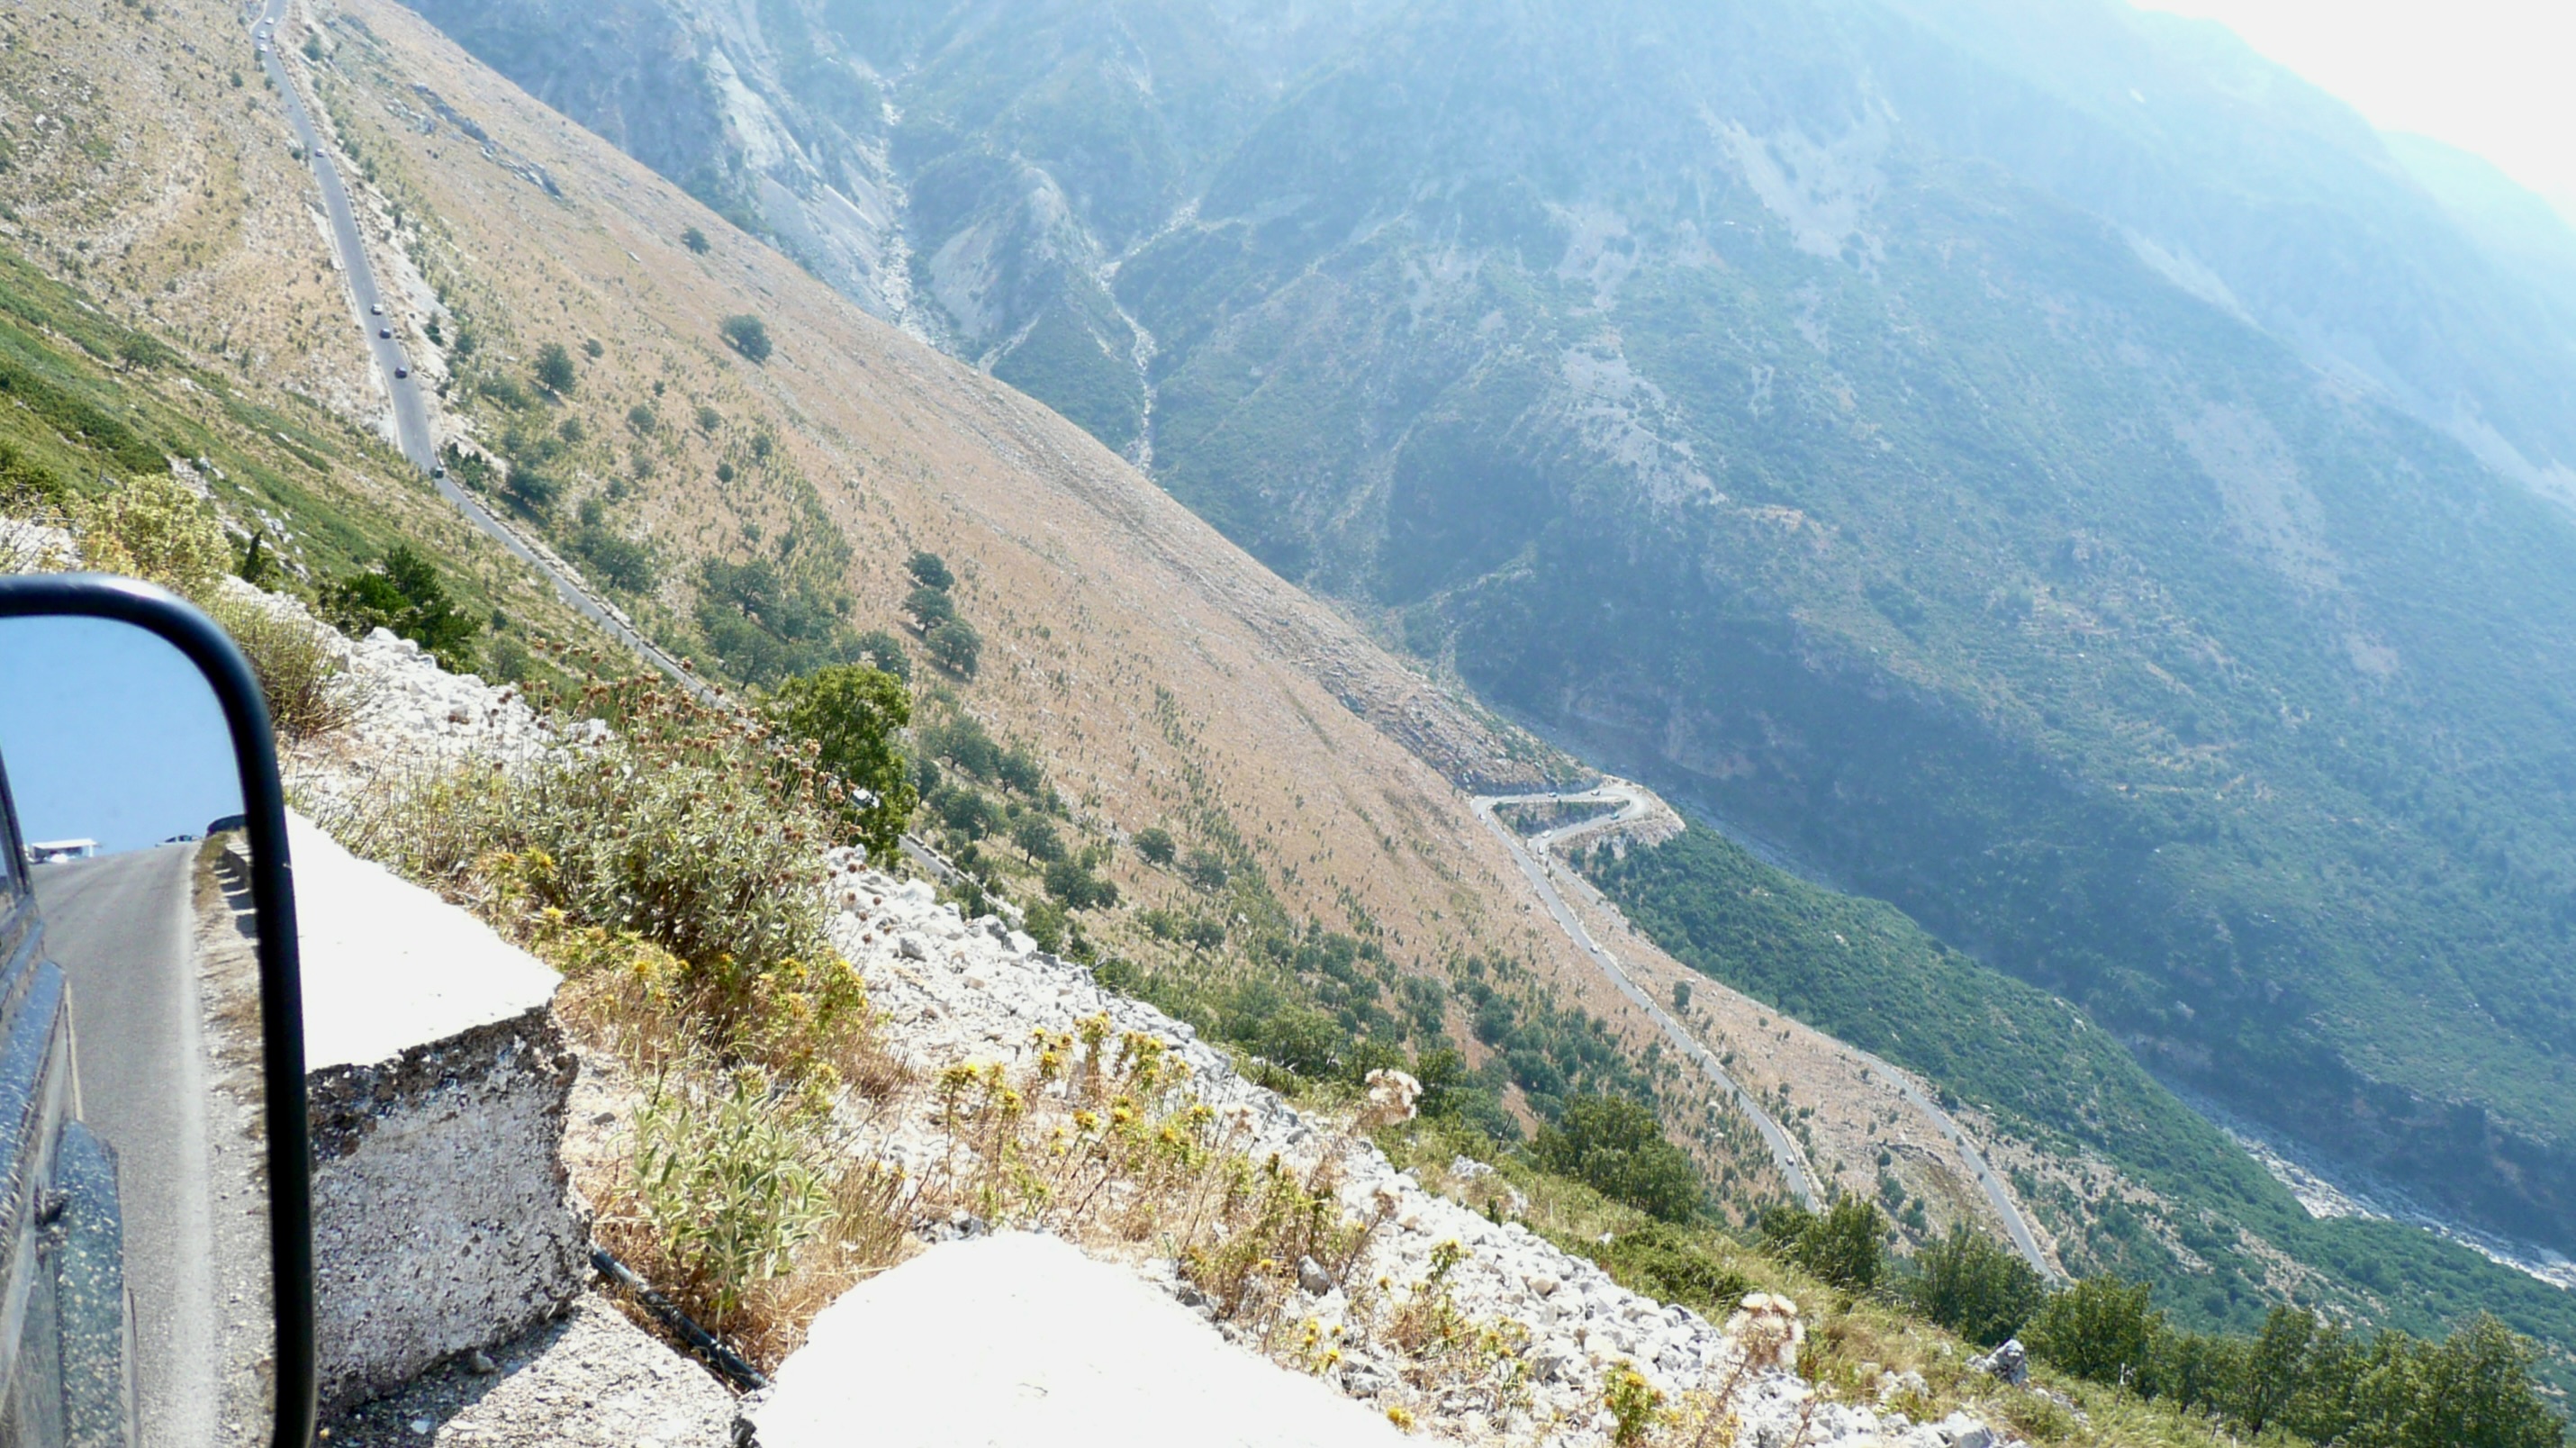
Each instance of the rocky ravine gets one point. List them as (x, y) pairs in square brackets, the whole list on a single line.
[(952, 990)]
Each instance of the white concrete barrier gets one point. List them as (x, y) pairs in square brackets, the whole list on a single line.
[(443, 1219)]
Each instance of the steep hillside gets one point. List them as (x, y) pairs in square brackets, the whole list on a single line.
[(2038, 464), (764, 512), (760, 497)]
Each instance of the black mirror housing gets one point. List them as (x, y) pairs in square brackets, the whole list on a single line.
[(76, 1197)]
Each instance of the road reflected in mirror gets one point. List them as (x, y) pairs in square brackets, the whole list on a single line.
[(132, 1042)]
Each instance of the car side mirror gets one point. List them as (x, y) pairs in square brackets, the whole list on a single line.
[(155, 1232)]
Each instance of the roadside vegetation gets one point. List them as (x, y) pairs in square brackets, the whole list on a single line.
[(2107, 1367), (670, 868), (2210, 1235)]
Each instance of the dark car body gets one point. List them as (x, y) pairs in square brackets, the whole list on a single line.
[(66, 1364)]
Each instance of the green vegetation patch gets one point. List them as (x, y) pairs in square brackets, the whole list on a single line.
[(1863, 971)]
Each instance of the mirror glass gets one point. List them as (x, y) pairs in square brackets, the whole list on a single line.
[(136, 1248)]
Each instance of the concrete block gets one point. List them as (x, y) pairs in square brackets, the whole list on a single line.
[(443, 1219), (1019, 1338)]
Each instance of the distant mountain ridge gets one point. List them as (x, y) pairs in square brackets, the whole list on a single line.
[(2057, 471)]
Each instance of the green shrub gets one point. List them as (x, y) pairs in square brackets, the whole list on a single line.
[(2101, 1328), (1616, 1146), (641, 421), (852, 715), (695, 240), (929, 607), (1672, 1264), (962, 740), (1078, 888), (1047, 924), (154, 528), (965, 811), (956, 647), (881, 650), (554, 370), (620, 562), (1975, 1286), (503, 390), (930, 571), (30, 490), (688, 828), (1205, 869), (307, 691), (1019, 769), (1846, 1244), (1301, 1039), (729, 1183), (1155, 843), (402, 592), (1037, 838), (531, 489), (747, 335)]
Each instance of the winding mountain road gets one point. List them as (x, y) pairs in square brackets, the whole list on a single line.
[(1536, 858), (412, 430), (1531, 856)]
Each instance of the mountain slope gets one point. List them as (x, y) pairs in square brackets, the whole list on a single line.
[(2039, 464), (1136, 671)]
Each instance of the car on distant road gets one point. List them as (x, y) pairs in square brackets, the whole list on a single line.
[(375, 309), (402, 372), (385, 332)]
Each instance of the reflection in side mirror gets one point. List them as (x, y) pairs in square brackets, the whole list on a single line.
[(136, 1050)]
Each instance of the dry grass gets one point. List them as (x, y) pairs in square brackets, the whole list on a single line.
[(310, 694)]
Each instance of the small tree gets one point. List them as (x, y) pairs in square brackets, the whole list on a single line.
[(554, 370), (1975, 1286), (1205, 869), (695, 240), (1037, 838), (1078, 888), (883, 650), (746, 334), (930, 571), (403, 593), (2101, 1328), (1155, 843), (956, 647), (709, 419), (852, 713), (929, 607), (641, 421), (1617, 1146), (1847, 1246), (155, 528), (1681, 995)]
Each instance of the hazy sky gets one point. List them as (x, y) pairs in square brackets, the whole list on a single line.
[(110, 734), (2497, 77)]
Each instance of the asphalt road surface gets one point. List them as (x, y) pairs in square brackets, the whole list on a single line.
[(1784, 1150), (1538, 863), (122, 929)]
